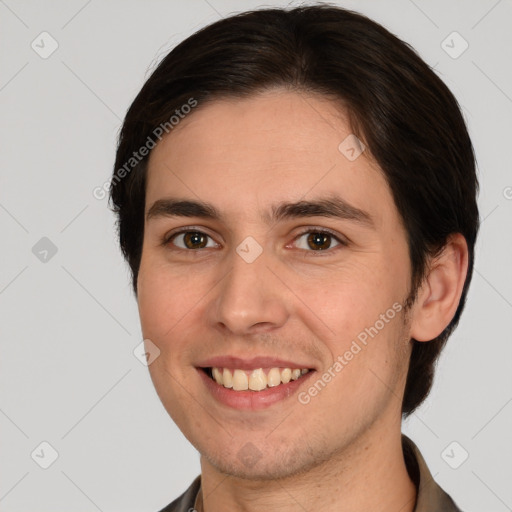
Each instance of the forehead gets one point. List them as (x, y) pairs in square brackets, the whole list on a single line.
[(266, 148), (293, 124)]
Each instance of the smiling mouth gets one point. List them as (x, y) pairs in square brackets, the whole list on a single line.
[(254, 380)]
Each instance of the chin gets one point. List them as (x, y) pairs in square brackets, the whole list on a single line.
[(251, 464)]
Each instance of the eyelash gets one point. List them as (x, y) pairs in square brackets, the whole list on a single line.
[(342, 243)]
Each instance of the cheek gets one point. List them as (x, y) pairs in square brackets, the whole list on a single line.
[(352, 297), (355, 312), (163, 298), (151, 300)]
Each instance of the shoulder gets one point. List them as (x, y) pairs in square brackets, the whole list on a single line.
[(185, 502)]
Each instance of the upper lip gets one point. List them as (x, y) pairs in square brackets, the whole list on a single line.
[(250, 364)]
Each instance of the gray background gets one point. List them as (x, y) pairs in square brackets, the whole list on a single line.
[(69, 324)]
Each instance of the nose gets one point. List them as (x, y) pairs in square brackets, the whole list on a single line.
[(249, 299)]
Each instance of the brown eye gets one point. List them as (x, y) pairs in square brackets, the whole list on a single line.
[(190, 240), (317, 241)]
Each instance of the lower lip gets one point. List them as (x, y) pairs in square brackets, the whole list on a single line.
[(253, 400)]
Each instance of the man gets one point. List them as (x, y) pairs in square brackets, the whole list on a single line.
[(296, 198)]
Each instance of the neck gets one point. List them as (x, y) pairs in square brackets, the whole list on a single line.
[(368, 475)]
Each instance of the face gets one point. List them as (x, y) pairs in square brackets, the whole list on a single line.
[(269, 247)]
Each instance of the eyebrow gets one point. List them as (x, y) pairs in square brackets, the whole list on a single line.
[(332, 207)]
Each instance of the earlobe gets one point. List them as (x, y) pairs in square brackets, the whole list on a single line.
[(439, 296)]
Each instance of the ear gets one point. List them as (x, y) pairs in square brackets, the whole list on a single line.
[(439, 295)]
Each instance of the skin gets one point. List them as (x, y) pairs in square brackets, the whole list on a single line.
[(293, 302)]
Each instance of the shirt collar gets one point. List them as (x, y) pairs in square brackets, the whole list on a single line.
[(429, 495)]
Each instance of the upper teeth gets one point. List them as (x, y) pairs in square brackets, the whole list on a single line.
[(255, 380)]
